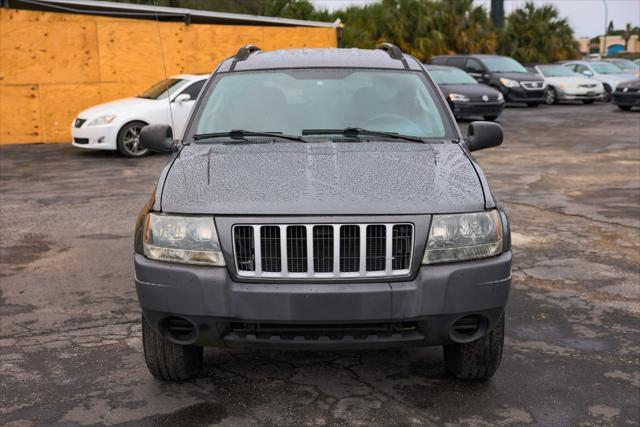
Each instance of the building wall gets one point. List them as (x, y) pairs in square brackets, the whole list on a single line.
[(53, 65)]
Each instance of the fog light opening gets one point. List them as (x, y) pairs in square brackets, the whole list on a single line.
[(179, 329), (468, 328)]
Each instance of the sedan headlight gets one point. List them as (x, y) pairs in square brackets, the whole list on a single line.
[(509, 82), (456, 97), (183, 239), (460, 237), (500, 97), (102, 120)]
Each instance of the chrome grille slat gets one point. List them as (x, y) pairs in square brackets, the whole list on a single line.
[(330, 251)]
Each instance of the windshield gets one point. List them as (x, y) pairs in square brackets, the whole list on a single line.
[(292, 100), (451, 76), (161, 89), (606, 68), (556, 71), (626, 65), (503, 64)]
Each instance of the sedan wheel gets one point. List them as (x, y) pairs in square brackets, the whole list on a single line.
[(551, 97), (129, 140)]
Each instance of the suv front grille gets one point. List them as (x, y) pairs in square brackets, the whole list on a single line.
[(532, 85), (323, 250)]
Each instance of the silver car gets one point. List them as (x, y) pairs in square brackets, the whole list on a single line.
[(608, 74), (563, 84)]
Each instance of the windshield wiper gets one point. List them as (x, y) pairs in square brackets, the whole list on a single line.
[(355, 132), (240, 134)]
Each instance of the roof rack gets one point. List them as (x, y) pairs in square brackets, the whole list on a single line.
[(394, 52), (243, 53)]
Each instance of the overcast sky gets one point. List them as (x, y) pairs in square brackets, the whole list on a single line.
[(585, 16)]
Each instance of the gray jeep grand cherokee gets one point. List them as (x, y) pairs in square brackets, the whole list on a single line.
[(322, 199)]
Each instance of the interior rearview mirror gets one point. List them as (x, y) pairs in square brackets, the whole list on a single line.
[(158, 138), (183, 97), (483, 135)]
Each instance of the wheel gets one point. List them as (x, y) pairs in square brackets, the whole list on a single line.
[(168, 361), (532, 104), (490, 118), (128, 143), (607, 89), (477, 360), (624, 107), (587, 101), (550, 97)]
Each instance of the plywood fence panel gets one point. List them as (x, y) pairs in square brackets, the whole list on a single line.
[(131, 51), (60, 103), (297, 37), (54, 65), (20, 114), (48, 52)]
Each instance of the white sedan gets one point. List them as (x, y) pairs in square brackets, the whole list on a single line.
[(117, 124)]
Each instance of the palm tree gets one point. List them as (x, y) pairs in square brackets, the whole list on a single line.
[(626, 35), (537, 34)]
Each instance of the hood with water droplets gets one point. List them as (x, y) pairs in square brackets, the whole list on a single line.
[(323, 178)]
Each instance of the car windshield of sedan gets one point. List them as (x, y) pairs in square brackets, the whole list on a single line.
[(451, 76), (607, 68), (557, 71), (161, 89), (627, 65), (503, 64), (292, 100)]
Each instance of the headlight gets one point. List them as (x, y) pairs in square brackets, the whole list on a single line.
[(184, 239), (102, 120), (456, 97), (500, 97), (460, 237), (509, 82)]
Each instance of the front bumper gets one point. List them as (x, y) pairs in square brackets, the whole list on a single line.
[(580, 94), (519, 94), (626, 99), (468, 109), (421, 311), (95, 137)]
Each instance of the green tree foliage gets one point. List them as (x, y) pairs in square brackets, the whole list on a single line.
[(537, 34)]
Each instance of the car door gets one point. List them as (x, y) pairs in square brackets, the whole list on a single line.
[(181, 106), (475, 69)]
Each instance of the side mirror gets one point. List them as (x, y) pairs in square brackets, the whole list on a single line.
[(483, 135), (183, 97), (158, 138), (587, 73)]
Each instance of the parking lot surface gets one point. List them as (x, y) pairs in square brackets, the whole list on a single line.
[(70, 340)]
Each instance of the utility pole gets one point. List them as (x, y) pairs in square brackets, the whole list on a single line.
[(606, 29), (497, 13)]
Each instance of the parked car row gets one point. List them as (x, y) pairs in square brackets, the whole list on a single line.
[(473, 85), (586, 81)]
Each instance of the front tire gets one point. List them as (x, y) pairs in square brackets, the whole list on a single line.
[(128, 142), (477, 360), (532, 104), (168, 361), (490, 118), (624, 107), (551, 97), (588, 101)]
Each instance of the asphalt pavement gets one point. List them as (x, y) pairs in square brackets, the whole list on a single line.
[(70, 340)]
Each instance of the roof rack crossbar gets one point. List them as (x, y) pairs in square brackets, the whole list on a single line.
[(394, 52), (243, 53)]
